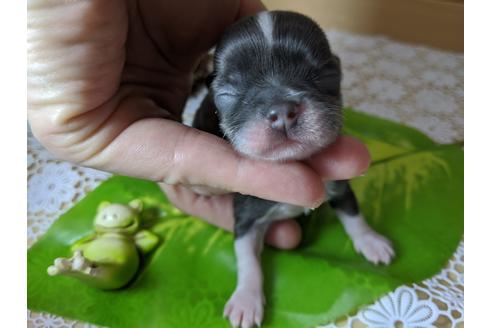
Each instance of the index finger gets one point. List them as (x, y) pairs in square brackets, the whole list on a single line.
[(170, 152)]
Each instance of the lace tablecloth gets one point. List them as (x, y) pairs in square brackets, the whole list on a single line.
[(415, 85)]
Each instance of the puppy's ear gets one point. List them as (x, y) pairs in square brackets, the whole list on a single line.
[(210, 78), (336, 63), (330, 77), (201, 73)]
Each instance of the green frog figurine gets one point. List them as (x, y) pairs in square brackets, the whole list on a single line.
[(109, 258)]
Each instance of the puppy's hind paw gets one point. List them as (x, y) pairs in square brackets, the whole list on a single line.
[(245, 308), (374, 247)]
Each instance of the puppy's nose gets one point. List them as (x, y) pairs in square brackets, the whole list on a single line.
[(283, 116)]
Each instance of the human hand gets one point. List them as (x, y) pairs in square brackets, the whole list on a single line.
[(107, 83)]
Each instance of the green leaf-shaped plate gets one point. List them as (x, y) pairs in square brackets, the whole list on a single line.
[(413, 194)]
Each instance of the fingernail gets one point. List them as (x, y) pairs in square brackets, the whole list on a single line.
[(318, 203)]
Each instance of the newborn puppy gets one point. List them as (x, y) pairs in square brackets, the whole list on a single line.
[(275, 91)]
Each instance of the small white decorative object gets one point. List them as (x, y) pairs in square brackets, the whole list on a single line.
[(400, 307)]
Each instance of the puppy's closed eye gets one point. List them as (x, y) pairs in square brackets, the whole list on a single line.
[(225, 98)]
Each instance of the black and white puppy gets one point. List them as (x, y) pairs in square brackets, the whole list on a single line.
[(275, 92)]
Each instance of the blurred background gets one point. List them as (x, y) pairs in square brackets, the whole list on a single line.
[(436, 23)]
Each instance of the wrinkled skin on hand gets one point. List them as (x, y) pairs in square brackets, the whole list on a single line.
[(107, 82), (101, 72)]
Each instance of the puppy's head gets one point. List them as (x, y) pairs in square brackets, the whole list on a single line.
[(276, 86)]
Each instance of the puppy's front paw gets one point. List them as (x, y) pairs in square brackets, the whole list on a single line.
[(374, 247), (245, 308)]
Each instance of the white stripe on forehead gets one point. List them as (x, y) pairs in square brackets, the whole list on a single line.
[(266, 25)]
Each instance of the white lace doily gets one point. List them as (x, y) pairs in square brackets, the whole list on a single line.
[(415, 85)]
